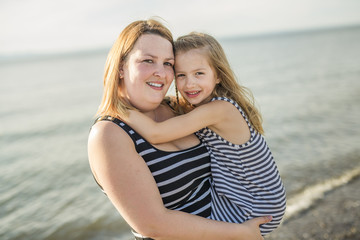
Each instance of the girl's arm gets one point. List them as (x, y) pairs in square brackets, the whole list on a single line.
[(159, 132), (117, 167)]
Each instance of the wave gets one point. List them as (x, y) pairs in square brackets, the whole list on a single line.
[(306, 199)]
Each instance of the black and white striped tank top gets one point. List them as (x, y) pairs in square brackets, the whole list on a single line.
[(247, 183), (183, 177)]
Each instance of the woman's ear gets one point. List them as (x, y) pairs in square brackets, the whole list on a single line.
[(121, 72)]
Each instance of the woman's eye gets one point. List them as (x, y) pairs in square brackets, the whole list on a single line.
[(168, 64), (148, 61), (199, 73)]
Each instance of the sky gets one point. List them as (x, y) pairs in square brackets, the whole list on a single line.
[(53, 26)]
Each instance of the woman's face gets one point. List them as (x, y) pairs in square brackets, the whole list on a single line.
[(148, 72)]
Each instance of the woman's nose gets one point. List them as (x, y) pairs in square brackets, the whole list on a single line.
[(160, 71)]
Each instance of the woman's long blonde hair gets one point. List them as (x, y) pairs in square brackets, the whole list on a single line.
[(228, 85), (112, 103)]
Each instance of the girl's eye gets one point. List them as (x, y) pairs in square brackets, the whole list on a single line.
[(199, 73), (180, 75), (148, 61)]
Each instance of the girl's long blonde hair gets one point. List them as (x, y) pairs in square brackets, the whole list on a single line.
[(112, 103), (228, 85)]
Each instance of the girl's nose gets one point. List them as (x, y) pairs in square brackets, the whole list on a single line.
[(190, 82)]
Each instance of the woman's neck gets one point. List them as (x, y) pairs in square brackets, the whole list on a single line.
[(153, 114), (159, 114)]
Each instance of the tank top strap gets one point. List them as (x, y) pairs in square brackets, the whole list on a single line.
[(137, 139), (239, 108)]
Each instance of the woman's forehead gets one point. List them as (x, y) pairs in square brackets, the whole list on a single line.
[(153, 45)]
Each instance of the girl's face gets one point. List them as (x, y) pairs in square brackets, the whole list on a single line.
[(195, 79), (147, 72)]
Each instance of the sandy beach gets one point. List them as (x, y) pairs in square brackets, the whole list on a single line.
[(335, 217)]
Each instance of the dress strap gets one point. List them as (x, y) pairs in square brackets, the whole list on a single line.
[(139, 236)]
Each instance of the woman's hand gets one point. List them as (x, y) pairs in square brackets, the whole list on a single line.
[(251, 228)]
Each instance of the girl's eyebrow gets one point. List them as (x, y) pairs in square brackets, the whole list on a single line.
[(193, 70), (198, 69)]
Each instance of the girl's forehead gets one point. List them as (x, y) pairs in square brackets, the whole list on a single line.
[(193, 55), (191, 60), (197, 51)]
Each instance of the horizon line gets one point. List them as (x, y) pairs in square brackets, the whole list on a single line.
[(8, 58)]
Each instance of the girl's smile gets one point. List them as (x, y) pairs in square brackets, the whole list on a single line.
[(192, 94)]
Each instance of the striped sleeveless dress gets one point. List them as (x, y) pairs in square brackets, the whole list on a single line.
[(246, 182), (183, 177)]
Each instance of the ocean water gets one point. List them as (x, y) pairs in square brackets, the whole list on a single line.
[(307, 85)]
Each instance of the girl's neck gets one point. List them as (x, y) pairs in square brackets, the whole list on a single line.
[(207, 100)]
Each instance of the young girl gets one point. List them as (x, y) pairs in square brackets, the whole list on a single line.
[(246, 182)]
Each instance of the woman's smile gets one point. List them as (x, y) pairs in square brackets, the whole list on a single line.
[(155, 85)]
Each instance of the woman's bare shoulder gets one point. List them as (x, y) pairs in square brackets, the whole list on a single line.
[(107, 132)]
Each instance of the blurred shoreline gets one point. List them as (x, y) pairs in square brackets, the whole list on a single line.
[(334, 216)]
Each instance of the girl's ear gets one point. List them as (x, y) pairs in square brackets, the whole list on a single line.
[(216, 75)]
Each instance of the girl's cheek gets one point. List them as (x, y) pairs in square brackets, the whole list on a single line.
[(179, 84)]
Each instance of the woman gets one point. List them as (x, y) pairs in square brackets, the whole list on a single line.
[(161, 191)]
